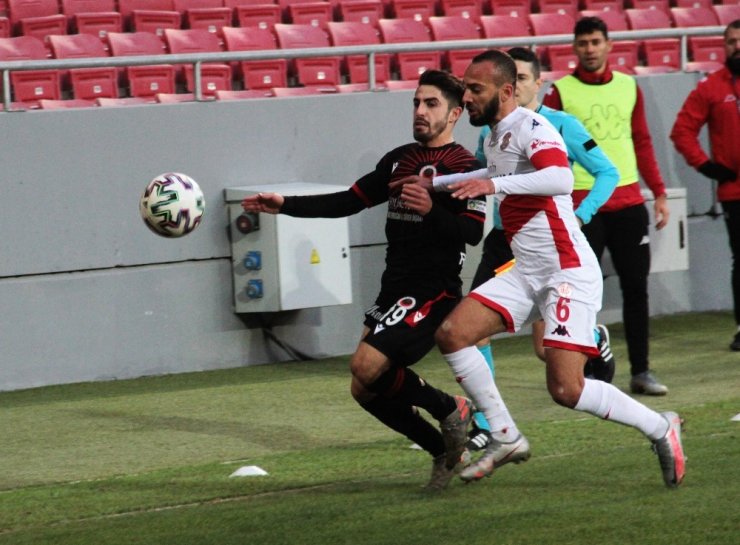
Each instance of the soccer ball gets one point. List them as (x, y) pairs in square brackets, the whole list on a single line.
[(172, 205)]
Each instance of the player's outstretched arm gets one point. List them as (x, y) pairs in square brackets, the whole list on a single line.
[(270, 203)]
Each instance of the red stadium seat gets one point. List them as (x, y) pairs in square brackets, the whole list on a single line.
[(647, 19), (263, 74), (316, 14), (86, 83), (662, 53), (409, 65), (513, 8), (692, 3), (126, 101), (143, 81), (661, 5), (558, 57), (4, 27), (362, 11), (402, 85), (624, 56), (615, 20), (544, 24), (505, 26), (468, 9), (707, 49), (726, 13), (29, 86), (348, 33), (693, 17), (174, 98), (214, 76), (418, 10), (210, 15), (309, 71), (264, 16), (37, 18), (603, 5), (98, 17), (568, 7), (149, 15), (456, 28)]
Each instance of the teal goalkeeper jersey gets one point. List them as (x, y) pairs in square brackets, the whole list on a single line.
[(582, 149)]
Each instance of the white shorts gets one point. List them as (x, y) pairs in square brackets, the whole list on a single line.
[(568, 300)]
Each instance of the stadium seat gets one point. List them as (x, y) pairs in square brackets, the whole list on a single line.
[(173, 98), (603, 5), (362, 11), (693, 17), (46, 104), (615, 20), (309, 71), (316, 14), (348, 33), (569, 7), (86, 83), (96, 17), (661, 5), (37, 18), (692, 4), (244, 94), (4, 27), (418, 10), (409, 65), (624, 56), (647, 19), (402, 85), (142, 81), (661, 53), (513, 8), (455, 28), (149, 15), (558, 57), (214, 76), (504, 26), (468, 9), (707, 49), (544, 24), (210, 15), (29, 86), (262, 74), (264, 16), (726, 13), (706, 67)]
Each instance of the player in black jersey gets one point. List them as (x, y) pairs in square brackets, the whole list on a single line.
[(421, 283)]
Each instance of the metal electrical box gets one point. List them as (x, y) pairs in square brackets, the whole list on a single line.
[(284, 263), (669, 247)]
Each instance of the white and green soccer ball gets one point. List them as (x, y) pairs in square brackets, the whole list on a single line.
[(172, 205)]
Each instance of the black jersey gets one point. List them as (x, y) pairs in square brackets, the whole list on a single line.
[(421, 249)]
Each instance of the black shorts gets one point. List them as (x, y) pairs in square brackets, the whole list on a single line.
[(403, 327), (496, 252)]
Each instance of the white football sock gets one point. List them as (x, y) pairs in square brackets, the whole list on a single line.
[(610, 403), (472, 372)]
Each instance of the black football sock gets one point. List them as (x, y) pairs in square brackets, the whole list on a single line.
[(403, 384), (407, 421)]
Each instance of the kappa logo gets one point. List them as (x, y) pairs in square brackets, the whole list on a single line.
[(535, 123), (560, 330), (378, 328), (419, 316)]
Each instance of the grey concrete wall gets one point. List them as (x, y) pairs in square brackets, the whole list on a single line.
[(88, 293)]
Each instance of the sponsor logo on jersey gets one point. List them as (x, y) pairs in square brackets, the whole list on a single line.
[(542, 144), (560, 330), (477, 205)]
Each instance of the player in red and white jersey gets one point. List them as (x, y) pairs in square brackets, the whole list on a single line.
[(556, 277)]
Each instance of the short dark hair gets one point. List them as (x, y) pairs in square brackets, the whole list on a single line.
[(451, 86), (733, 25), (505, 71), (525, 54), (589, 25)]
